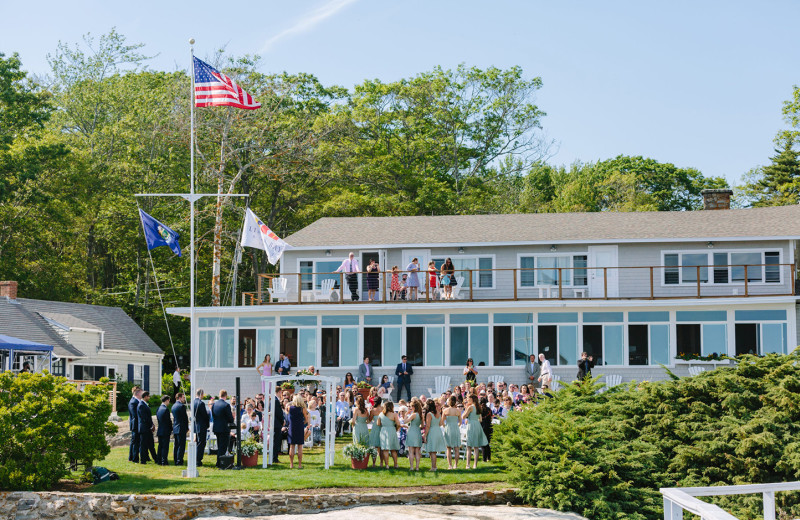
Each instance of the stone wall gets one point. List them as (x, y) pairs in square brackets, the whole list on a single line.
[(79, 506)]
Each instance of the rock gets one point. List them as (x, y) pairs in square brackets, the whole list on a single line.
[(431, 511)]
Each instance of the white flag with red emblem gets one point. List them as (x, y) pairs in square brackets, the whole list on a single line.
[(259, 235)]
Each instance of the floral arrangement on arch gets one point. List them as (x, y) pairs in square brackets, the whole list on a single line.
[(287, 385)]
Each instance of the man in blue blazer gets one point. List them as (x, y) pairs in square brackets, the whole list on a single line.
[(180, 428), (133, 404), (201, 423), (403, 373), (223, 418), (146, 429), (164, 431)]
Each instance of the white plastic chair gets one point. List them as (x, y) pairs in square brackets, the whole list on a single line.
[(457, 286), (324, 292), (278, 290), (694, 371), (555, 382), (613, 380), (495, 379), (441, 384)]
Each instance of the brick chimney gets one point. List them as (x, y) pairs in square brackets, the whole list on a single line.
[(8, 289), (717, 199)]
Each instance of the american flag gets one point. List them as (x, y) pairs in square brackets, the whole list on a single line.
[(214, 89)]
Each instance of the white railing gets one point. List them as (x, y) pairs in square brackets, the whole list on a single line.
[(678, 500)]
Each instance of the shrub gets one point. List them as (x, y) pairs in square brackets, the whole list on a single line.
[(47, 424), (167, 388), (124, 394), (250, 447), (359, 451), (605, 455)]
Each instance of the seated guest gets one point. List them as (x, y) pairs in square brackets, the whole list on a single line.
[(349, 382), (342, 414), (386, 384), (251, 424)]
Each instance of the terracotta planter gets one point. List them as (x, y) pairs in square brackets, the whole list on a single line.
[(359, 464), (364, 392), (251, 461)]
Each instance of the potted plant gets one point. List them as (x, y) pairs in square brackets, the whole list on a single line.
[(363, 388), (359, 454), (288, 386), (251, 448)]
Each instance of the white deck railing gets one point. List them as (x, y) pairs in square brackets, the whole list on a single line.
[(678, 500)]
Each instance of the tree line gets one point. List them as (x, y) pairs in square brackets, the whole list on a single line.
[(78, 143)]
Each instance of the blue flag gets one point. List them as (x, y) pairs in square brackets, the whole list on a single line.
[(157, 234)]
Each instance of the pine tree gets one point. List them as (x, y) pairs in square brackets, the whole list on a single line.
[(780, 181)]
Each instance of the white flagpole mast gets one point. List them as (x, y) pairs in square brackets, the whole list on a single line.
[(191, 468)]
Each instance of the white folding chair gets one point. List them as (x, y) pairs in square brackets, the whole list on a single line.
[(555, 382), (279, 290), (324, 292), (457, 286), (612, 380), (441, 383), (694, 371)]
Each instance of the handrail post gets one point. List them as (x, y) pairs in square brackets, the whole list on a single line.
[(341, 287), (384, 286), (470, 285), (427, 286), (746, 293), (514, 274), (769, 505), (605, 283), (698, 281), (652, 295), (791, 289), (260, 297), (559, 284), (300, 286)]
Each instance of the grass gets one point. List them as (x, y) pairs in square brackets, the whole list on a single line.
[(152, 479)]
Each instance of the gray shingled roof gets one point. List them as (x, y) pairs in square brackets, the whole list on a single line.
[(17, 321), (550, 227), (120, 331), (68, 320)]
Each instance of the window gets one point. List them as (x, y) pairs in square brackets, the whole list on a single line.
[(688, 339), (469, 342), (138, 376), (382, 345), (513, 345), (544, 269), (330, 347), (217, 346), (58, 367), (312, 272), (727, 267), (415, 341), (648, 344), (702, 339), (481, 267), (247, 348), (760, 338), (502, 346), (289, 345), (93, 372), (340, 347), (603, 343), (559, 343)]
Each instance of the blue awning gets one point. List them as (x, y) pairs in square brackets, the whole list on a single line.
[(10, 343)]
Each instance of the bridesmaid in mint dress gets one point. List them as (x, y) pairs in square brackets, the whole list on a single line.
[(475, 436), (414, 435), (433, 438), (451, 418), (361, 416), (390, 443), (375, 432)]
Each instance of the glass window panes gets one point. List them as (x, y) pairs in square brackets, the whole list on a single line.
[(547, 274), (568, 345), (671, 274), (613, 348), (208, 349), (266, 321), (265, 344), (772, 270), (593, 343), (339, 320), (502, 345), (688, 336), (459, 346), (753, 263), (392, 347), (479, 345), (692, 264), (325, 270), (659, 345), (289, 345), (548, 342), (415, 341), (373, 345), (216, 322), (434, 346), (747, 338), (773, 338), (715, 339), (306, 348), (527, 278), (523, 344), (486, 276), (348, 347), (226, 348), (247, 348), (306, 277), (580, 263), (720, 267), (330, 347), (638, 344)]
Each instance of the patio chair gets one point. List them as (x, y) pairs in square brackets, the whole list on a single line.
[(324, 292), (457, 286), (612, 380), (279, 290), (556, 384), (694, 371), (441, 384), (495, 379)]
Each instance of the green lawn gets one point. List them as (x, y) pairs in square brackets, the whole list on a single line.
[(152, 479)]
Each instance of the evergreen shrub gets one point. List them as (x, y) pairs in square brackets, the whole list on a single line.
[(606, 455)]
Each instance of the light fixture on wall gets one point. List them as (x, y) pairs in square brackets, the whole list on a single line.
[(327, 252), (710, 244), (553, 248), (461, 250)]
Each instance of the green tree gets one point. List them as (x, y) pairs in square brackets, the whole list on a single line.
[(778, 183)]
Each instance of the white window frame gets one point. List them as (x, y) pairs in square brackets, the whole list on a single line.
[(710, 266), (536, 285), (140, 382), (476, 274), (107, 367), (314, 268), (702, 333), (340, 328)]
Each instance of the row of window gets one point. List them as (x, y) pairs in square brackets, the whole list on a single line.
[(722, 267)]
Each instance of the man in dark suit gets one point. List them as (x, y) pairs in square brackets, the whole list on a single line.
[(223, 418), (180, 427), (146, 429), (403, 373), (201, 422), (283, 366), (164, 431), (585, 366), (133, 404), (277, 429)]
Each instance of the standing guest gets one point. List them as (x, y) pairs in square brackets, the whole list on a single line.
[(470, 372), (452, 433), (164, 431), (585, 366), (201, 424), (297, 424), (414, 435), (314, 422), (433, 440), (403, 287), (349, 382), (283, 366), (448, 271), (265, 369), (433, 279), (546, 376), (488, 428), (375, 433), (277, 429), (373, 279), (342, 414), (365, 371), (223, 417), (180, 428), (404, 371), (176, 381), (360, 419), (413, 280), (146, 429), (532, 371), (475, 436), (351, 269), (395, 284), (133, 404), (390, 443)]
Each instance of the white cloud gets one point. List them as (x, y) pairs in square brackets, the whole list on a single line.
[(309, 21)]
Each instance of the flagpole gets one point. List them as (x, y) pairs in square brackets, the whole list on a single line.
[(191, 468)]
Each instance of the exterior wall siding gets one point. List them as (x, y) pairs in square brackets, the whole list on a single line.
[(120, 361)]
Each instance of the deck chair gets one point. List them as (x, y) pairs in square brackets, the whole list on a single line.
[(324, 292), (495, 379), (694, 371), (278, 290), (457, 286), (613, 380), (555, 383), (442, 383)]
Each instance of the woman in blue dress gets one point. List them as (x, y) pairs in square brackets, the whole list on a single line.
[(297, 422), (413, 280)]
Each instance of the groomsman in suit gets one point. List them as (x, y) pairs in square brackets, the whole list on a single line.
[(532, 371), (201, 422), (180, 428), (133, 404), (164, 431), (277, 429), (365, 371), (223, 418), (146, 429), (404, 371), (283, 366)]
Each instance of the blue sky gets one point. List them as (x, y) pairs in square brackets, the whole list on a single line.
[(698, 84)]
